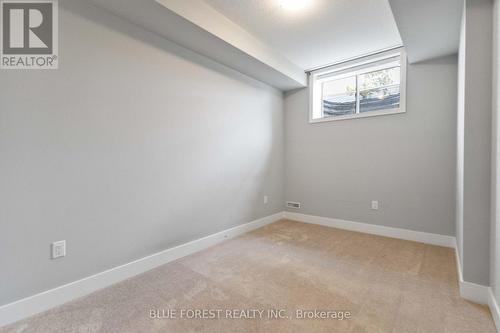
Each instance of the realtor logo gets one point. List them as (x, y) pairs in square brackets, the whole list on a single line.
[(28, 34)]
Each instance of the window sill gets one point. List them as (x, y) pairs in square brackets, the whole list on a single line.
[(358, 115)]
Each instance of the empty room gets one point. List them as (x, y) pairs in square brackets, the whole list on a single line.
[(249, 166)]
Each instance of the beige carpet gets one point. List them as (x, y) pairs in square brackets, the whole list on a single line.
[(387, 285)]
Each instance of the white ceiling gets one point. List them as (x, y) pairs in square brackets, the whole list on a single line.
[(429, 28), (326, 31), (261, 39)]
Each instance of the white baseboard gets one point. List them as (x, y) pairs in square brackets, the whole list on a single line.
[(470, 291), (476, 293), (481, 294), (32, 305), (495, 310), (411, 235)]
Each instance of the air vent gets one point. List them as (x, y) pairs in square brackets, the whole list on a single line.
[(294, 205)]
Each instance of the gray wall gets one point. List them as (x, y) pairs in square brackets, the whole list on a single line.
[(132, 146), (495, 161), (459, 206), (474, 133), (406, 161)]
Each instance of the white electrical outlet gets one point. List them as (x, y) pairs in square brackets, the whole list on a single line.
[(58, 249), (375, 205), (266, 199)]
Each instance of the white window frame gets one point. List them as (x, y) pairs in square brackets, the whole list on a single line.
[(354, 67)]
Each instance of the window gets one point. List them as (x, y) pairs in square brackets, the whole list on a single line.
[(364, 87)]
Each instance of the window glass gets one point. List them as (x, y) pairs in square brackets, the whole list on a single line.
[(379, 90), (339, 97), (371, 85)]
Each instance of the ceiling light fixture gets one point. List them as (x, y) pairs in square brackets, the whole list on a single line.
[(294, 5)]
